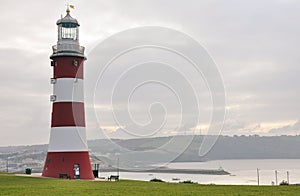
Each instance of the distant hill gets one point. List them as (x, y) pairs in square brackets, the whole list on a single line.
[(226, 147), (247, 147)]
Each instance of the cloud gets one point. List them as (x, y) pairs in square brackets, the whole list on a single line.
[(287, 130), (255, 43)]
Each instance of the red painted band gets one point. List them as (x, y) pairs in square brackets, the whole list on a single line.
[(68, 114), (65, 67), (63, 163)]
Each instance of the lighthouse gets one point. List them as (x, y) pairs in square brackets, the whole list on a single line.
[(68, 155)]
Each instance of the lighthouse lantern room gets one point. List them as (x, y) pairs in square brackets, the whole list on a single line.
[(68, 155)]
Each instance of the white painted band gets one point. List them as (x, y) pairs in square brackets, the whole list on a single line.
[(67, 139), (68, 90)]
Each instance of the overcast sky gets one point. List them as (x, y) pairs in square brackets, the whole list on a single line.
[(255, 44)]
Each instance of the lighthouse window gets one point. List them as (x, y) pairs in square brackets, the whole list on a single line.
[(53, 80), (53, 63), (75, 63), (68, 31), (53, 98)]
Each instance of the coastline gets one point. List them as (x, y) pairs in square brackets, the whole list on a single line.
[(170, 171)]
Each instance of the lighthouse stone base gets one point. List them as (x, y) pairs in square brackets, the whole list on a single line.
[(75, 165)]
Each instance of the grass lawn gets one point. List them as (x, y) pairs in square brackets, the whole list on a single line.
[(17, 185)]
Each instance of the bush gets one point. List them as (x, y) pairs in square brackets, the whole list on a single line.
[(284, 183), (188, 182), (156, 180)]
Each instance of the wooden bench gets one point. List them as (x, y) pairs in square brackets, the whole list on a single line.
[(113, 177), (64, 176)]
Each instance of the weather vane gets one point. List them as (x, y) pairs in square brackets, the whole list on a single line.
[(68, 7)]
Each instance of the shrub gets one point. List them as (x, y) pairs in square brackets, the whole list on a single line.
[(156, 180), (188, 182), (284, 183)]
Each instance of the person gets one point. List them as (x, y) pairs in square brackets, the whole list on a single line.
[(77, 173)]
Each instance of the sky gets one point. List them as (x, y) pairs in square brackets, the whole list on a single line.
[(254, 44)]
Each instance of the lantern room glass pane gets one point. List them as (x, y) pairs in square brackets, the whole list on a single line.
[(68, 31)]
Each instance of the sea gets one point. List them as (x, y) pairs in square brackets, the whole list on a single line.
[(242, 172)]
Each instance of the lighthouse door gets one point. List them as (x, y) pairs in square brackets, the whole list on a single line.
[(76, 171)]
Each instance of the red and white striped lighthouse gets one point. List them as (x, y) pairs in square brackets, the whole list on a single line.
[(68, 154)]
